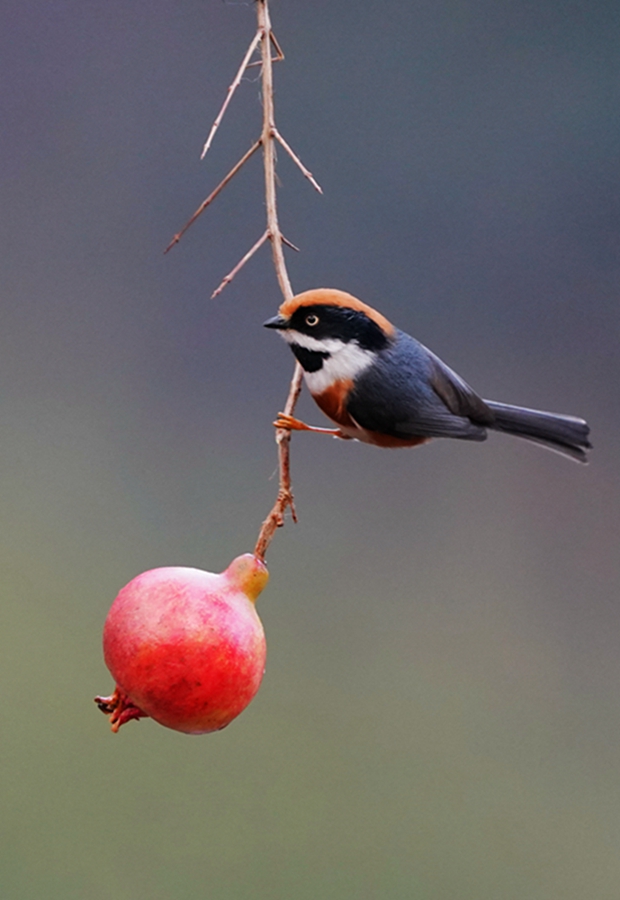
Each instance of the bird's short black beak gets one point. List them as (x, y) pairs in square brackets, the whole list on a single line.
[(276, 322)]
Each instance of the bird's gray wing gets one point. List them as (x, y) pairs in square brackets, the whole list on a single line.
[(410, 392), (457, 395)]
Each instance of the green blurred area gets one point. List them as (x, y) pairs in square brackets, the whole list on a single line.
[(439, 716)]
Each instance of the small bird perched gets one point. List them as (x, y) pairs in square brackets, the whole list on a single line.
[(381, 386)]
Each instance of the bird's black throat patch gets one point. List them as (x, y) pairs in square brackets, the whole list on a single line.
[(310, 360)]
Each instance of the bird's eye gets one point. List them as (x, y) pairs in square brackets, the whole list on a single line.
[(312, 320)]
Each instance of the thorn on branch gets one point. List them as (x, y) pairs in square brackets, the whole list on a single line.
[(290, 244)]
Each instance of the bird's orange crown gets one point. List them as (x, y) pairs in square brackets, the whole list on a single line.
[(333, 297)]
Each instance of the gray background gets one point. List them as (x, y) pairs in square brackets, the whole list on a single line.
[(440, 713)]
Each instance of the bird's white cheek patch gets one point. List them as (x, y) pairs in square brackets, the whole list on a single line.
[(344, 364), (326, 345)]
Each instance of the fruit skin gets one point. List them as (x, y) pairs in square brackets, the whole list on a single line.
[(185, 646)]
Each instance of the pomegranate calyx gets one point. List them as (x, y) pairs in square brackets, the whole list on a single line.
[(119, 708)]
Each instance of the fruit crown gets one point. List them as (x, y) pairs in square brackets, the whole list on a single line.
[(249, 574)]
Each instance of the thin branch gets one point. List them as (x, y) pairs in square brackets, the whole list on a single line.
[(297, 161), (284, 500), (264, 36), (267, 140), (269, 155), (231, 90), (213, 194), (259, 243)]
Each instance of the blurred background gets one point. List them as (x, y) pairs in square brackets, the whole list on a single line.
[(440, 716)]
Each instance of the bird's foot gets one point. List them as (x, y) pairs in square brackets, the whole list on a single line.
[(290, 423)]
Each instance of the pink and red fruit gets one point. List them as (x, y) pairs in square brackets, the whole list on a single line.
[(186, 647)]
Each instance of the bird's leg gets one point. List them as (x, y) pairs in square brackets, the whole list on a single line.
[(290, 423)]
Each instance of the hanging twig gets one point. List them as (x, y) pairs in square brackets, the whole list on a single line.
[(269, 135), (284, 500)]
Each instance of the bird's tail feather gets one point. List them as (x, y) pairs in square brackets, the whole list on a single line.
[(564, 434)]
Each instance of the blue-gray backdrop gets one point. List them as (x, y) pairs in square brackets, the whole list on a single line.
[(440, 713)]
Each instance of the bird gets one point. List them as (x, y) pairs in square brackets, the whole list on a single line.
[(382, 387)]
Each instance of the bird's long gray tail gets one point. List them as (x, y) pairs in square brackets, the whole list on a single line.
[(564, 434)]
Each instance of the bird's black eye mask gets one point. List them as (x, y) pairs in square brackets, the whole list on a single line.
[(324, 322)]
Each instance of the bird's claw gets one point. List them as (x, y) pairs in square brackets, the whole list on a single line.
[(290, 423)]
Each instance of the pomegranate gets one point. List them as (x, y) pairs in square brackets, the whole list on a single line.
[(186, 647)]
